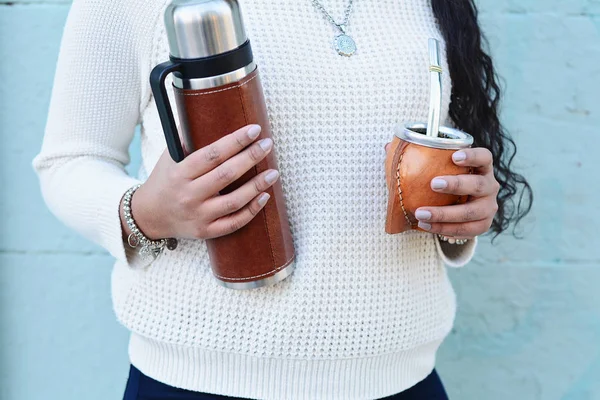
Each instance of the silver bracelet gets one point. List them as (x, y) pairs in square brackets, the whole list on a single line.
[(149, 248), (452, 240)]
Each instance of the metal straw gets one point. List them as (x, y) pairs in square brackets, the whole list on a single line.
[(435, 98)]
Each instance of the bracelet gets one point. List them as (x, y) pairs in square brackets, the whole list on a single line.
[(149, 248), (452, 240)]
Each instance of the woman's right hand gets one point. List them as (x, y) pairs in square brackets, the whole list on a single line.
[(182, 200)]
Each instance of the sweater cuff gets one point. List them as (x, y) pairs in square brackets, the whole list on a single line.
[(112, 231), (454, 255)]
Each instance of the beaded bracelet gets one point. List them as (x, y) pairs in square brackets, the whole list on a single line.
[(149, 248), (452, 240)]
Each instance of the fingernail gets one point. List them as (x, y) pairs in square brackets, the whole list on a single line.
[(424, 225), (423, 215), (266, 144), (439, 183), (253, 131), (262, 200), (271, 177), (459, 156)]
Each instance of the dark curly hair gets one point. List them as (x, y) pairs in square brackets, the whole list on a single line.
[(474, 105)]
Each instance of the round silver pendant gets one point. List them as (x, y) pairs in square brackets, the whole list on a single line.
[(344, 45)]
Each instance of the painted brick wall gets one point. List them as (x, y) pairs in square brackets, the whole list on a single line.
[(528, 325)]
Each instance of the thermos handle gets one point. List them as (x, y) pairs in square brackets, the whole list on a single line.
[(157, 83)]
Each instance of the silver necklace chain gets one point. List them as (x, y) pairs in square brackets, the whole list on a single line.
[(341, 26), (343, 43)]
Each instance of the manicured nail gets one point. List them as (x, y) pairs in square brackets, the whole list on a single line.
[(424, 225), (266, 144), (439, 183), (262, 200), (423, 215), (253, 131), (271, 177), (459, 156)]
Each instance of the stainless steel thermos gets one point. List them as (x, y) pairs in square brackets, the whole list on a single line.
[(218, 90)]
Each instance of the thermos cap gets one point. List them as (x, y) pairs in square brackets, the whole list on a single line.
[(203, 28)]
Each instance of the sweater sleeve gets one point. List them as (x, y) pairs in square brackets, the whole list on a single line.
[(455, 255), (94, 108)]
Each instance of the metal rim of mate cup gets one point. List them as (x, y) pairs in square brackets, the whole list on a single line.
[(448, 138), (201, 59)]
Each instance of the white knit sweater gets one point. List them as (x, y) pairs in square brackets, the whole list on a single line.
[(364, 312)]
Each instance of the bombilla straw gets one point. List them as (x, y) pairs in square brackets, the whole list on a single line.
[(435, 96)]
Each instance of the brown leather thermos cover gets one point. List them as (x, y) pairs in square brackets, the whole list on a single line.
[(264, 246)]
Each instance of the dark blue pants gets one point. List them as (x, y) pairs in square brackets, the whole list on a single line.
[(141, 387)]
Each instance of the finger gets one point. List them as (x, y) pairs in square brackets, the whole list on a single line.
[(239, 219), (474, 185), (220, 206), (387, 146), (478, 157), (209, 157), (475, 210), (458, 230), (225, 174)]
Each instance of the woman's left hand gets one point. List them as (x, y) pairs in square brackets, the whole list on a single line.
[(475, 217)]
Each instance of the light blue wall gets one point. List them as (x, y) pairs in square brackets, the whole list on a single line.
[(528, 325)]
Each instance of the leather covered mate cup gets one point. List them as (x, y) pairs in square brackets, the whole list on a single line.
[(413, 160), (260, 252)]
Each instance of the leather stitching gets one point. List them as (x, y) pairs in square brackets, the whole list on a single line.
[(216, 91), (400, 191), (257, 276), (263, 210)]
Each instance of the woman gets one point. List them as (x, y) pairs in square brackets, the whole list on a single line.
[(364, 312)]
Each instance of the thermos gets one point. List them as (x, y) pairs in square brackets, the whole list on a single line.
[(217, 91), (419, 152)]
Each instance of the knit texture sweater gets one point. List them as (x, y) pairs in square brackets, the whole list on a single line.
[(364, 312)]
